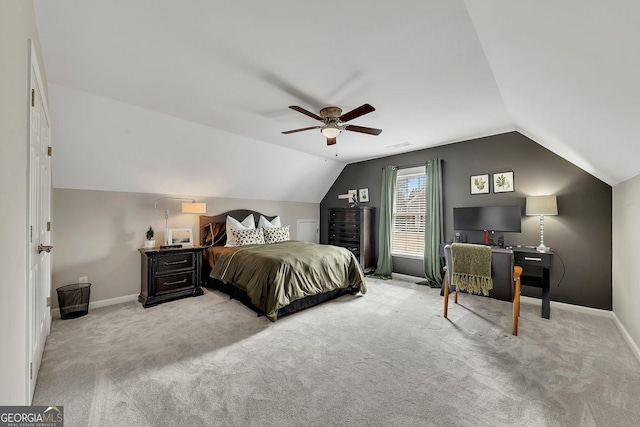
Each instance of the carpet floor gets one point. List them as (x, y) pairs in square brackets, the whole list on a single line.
[(387, 358)]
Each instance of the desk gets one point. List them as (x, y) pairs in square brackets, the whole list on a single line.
[(535, 272)]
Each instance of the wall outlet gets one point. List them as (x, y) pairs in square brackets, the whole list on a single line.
[(83, 279)]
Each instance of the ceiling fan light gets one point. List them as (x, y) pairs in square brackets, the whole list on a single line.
[(330, 131)]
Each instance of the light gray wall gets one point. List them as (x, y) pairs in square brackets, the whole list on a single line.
[(17, 26), (626, 247), (580, 234), (98, 233)]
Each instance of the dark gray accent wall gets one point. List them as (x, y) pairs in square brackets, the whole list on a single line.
[(581, 234)]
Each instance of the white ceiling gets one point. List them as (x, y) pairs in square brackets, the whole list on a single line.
[(437, 71)]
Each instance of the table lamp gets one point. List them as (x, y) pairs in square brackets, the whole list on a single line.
[(542, 205), (190, 207)]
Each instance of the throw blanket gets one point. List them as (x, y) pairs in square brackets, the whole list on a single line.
[(472, 268)]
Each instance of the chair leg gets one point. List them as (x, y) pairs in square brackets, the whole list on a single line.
[(446, 293), (455, 295), (516, 299)]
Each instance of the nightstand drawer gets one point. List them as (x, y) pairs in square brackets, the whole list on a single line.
[(174, 262), (533, 258), (174, 282)]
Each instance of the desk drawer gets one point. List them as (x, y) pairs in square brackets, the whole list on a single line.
[(531, 258)]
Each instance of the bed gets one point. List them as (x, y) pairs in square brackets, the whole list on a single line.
[(278, 278)]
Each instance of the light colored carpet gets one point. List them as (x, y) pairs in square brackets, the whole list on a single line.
[(384, 359)]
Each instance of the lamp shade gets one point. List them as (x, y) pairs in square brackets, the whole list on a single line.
[(542, 205), (194, 208), (330, 131)]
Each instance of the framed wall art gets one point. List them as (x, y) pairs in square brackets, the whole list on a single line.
[(364, 195), (503, 182), (480, 184)]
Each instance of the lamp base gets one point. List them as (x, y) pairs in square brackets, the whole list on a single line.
[(543, 248)]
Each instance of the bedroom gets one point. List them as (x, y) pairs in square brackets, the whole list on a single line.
[(136, 138)]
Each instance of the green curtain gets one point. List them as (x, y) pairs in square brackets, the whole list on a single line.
[(385, 263), (434, 234)]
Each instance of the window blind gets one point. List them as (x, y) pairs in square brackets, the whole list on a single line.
[(409, 208)]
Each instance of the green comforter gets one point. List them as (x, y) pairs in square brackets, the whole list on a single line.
[(277, 274)]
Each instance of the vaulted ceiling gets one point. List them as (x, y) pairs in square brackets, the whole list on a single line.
[(563, 73)]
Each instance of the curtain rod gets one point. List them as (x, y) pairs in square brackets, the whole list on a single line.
[(409, 166)]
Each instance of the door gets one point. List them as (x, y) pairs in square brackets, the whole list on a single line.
[(308, 230), (39, 233)]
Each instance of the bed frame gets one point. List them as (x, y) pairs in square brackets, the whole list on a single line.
[(239, 294)]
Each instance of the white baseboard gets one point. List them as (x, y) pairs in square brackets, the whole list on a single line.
[(632, 344), (406, 277), (570, 307), (102, 303)]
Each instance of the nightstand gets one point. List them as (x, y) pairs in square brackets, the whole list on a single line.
[(168, 274), (536, 268)]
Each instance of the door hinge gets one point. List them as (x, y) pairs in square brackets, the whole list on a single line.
[(31, 234), (30, 370), (48, 301), (49, 149), (33, 97), (48, 225)]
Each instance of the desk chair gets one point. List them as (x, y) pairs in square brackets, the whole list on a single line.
[(502, 264)]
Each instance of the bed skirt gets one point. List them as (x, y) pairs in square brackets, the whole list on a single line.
[(298, 305)]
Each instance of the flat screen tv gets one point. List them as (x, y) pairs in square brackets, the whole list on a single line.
[(492, 218)]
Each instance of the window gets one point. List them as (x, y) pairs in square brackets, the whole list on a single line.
[(409, 208)]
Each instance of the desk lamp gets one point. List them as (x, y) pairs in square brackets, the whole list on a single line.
[(542, 205), (191, 207)]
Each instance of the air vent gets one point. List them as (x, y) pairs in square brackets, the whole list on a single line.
[(400, 145)]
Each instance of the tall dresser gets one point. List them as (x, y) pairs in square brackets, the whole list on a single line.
[(352, 228)]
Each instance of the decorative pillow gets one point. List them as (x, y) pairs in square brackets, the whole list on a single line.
[(276, 234), (249, 236), (265, 223), (233, 224), (215, 234)]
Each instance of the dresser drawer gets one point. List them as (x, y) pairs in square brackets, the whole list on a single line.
[(348, 227), (348, 215), (174, 282), (175, 262), (344, 239), (532, 258)]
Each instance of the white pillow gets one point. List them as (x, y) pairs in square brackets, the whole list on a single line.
[(264, 222), (233, 224)]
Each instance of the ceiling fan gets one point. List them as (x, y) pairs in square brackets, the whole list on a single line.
[(335, 122)]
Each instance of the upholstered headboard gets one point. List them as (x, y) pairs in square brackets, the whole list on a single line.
[(218, 223)]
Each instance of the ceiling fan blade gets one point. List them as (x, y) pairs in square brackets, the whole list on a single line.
[(357, 112), (331, 141), (306, 112), (362, 129), (300, 130)]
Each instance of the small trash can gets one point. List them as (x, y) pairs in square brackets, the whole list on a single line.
[(73, 300)]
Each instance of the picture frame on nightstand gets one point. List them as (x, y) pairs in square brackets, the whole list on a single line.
[(181, 236)]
